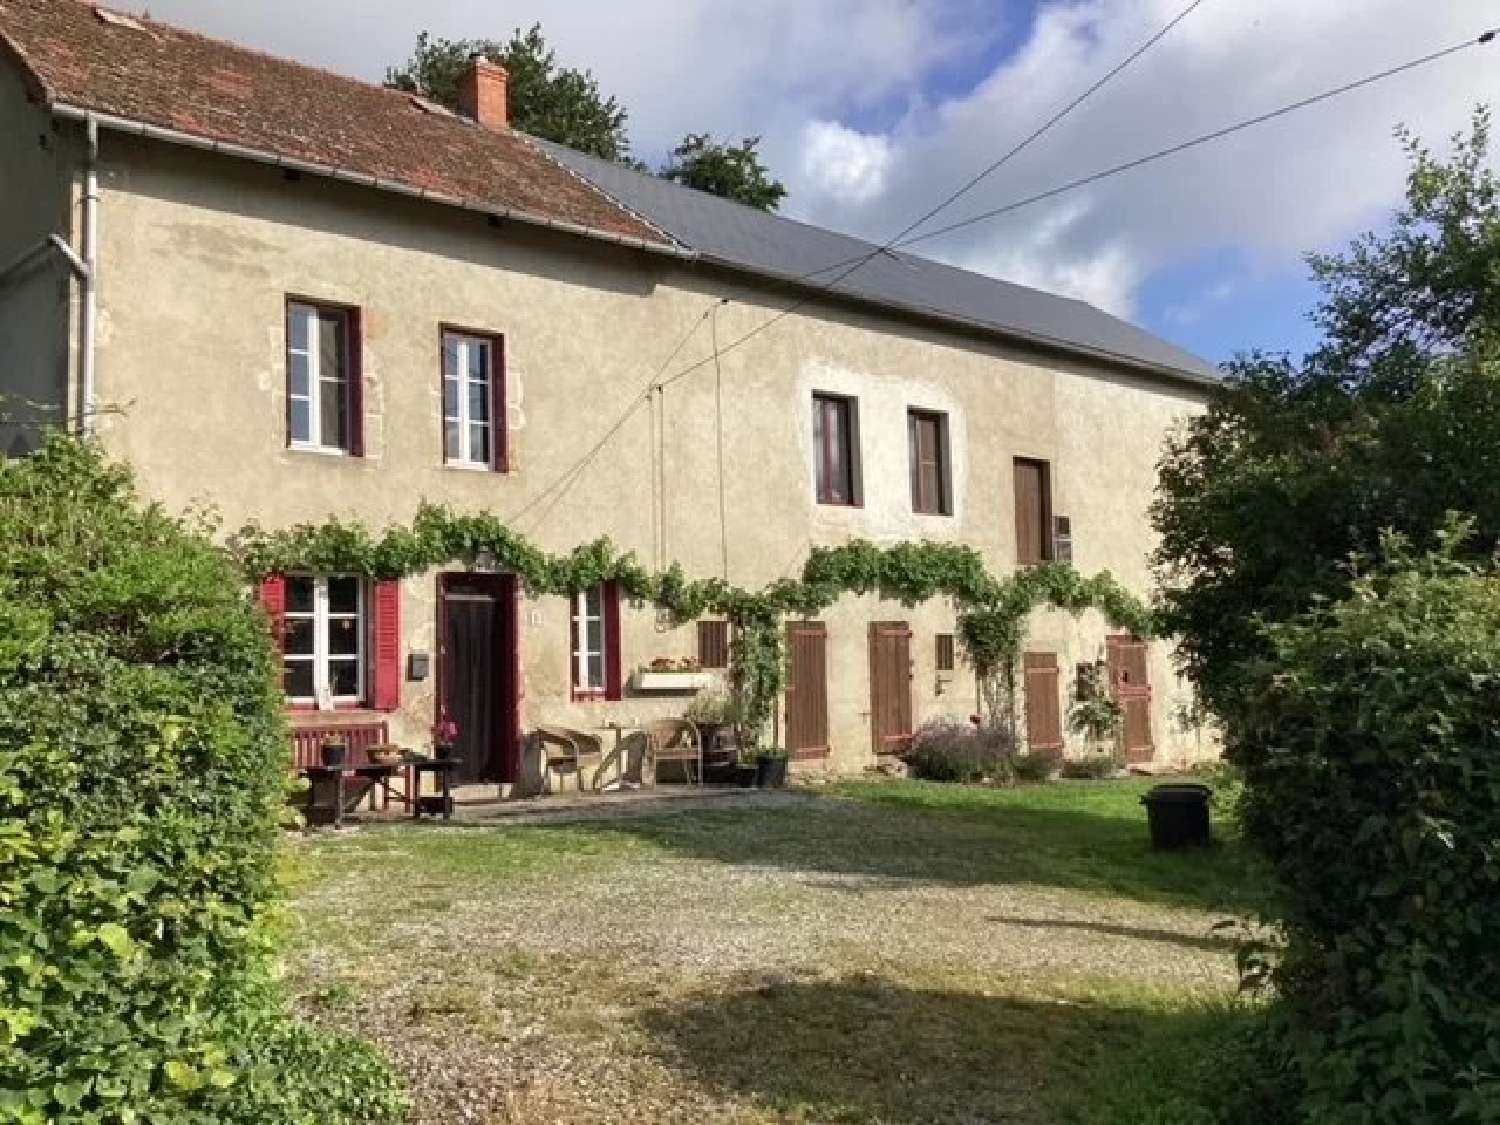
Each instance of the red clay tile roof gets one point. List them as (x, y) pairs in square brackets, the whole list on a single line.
[(178, 80)]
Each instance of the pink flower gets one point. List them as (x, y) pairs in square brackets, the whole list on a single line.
[(444, 731)]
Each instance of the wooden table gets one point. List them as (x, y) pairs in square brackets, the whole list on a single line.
[(442, 769), (328, 789)]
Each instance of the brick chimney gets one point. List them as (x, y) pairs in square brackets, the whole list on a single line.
[(482, 93)]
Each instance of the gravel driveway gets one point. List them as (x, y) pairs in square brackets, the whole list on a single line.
[(833, 961)]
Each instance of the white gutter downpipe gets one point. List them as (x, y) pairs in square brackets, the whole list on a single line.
[(88, 276)]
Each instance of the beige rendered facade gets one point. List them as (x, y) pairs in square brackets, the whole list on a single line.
[(199, 254)]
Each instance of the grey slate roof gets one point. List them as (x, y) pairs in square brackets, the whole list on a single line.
[(743, 238)]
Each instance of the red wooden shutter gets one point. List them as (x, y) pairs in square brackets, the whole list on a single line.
[(273, 597), (385, 694), (354, 326), (613, 687), (499, 434)]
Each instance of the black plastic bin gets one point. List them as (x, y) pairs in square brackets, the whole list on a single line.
[(1178, 814)]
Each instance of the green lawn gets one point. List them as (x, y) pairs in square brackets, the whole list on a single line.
[(881, 952)]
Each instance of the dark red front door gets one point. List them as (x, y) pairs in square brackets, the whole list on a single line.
[(477, 670)]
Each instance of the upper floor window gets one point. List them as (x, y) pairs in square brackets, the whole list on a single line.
[(927, 431), (836, 449), (322, 375), (323, 642), (473, 413), (1033, 481)]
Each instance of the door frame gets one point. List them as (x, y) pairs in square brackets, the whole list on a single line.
[(507, 592)]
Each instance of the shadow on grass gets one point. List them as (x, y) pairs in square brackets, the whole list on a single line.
[(865, 1049), (1208, 942), (1097, 844)]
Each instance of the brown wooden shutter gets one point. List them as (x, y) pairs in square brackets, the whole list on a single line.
[(926, 462), (713, 644), (1033, 512), (614, 684), (1130, 680), (1043, 701), (890, 686), (943, 656), (356, 374), (385, 693), (807, 689)]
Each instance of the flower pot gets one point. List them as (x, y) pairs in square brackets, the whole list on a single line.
[(443, 751), (333, 751), (770, 771), (745, 776)]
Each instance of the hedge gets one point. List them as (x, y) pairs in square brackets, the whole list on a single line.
[(142, 765)]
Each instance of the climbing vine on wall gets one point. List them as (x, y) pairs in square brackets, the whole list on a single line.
[(992, 611)]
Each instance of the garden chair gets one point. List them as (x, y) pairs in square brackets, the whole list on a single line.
[(566, 750), (675, 740)]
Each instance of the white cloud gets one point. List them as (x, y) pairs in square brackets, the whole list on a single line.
[(845, 165), (1105, 275)]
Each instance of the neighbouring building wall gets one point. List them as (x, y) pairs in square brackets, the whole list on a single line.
[(201, 254), (36, 169)]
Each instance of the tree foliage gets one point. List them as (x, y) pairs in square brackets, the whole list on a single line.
[(142, 764), (732, 171), (1371, 763), (556, 103), (1390, 424)]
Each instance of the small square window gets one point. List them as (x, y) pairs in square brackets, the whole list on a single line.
[(944, 654)]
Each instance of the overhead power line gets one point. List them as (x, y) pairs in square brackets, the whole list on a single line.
[(1205, 138), (564, 482), (1072, 185)]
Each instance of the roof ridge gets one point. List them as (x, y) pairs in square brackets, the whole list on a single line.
[(541, 143)]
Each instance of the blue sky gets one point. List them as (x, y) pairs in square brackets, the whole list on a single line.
[(872, 110)]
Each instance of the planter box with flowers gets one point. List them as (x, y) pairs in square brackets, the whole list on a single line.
[(665, 674)]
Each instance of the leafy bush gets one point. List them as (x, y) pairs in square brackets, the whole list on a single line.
[(1036, 765), (1372, 786), (947, 750), (142, 764), (1091, 767)]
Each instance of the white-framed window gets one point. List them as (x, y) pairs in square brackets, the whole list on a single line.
[(468, 394), (323, 650), (318, 377), (589, 641)]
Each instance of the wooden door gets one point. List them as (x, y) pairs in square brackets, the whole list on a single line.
[(807, 689), (1130, 680), (477, 669), (890, 686), (1041, 688)]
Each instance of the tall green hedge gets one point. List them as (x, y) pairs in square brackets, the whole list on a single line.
[(1372, 783), (142, 764)]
